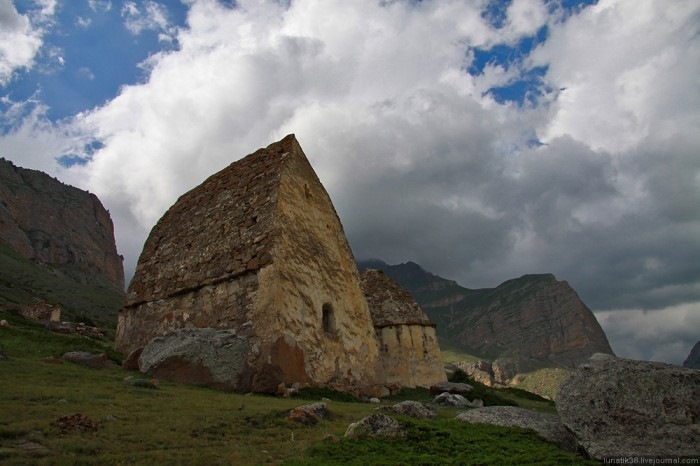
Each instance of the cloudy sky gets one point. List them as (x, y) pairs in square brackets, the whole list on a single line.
[(482, 139)]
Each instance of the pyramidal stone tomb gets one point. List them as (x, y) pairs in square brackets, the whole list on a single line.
[(258, 253)]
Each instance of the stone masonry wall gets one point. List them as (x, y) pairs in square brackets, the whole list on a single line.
[(410, 355), (225, 305), (313, 269)]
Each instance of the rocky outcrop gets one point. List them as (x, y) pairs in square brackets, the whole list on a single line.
[(49, 222), (533, 318), (412, 409), (195, 356), (95, 361), (451, 387), (619, 407), (453, 399), (693, 359), (409, 353), (548, 426), (259, 250), (377, 426), (308, 415)]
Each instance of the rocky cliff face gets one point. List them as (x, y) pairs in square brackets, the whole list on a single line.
[(535, 318), (693, 359), (52, 223)]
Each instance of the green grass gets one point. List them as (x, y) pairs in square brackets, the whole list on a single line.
[(190, 425), (443, 442)]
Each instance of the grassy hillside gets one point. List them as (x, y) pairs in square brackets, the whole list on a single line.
[(183, 424), (23, 281)]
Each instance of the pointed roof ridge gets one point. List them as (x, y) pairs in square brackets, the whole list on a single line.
[(390, 303)]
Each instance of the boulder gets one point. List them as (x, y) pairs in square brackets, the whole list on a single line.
[(548, 426), (450, 387), (376, 425), (96, 361), (309, 414), (620, 407), (131, 363), (201, 356), (412, 409), (141, 383), (453, 399)]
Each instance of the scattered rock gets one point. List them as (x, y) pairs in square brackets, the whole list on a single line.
[(282, 390), (376, 425), (203, 356), (374, 400), (412, 409), (548, 426), (97, 361), (330, 438), (75, 422), (308, 414), (143, 383), (3, 355), (111, 418), (620, 407), (451, 387), (34, 448), (3, 323), (452, 399), (76, 328), (131, 363)]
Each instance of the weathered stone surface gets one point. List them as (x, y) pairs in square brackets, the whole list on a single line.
[(479, 371), (96, 361), (620, 407), (41, 311), (50, 222), (131, 362), (376, 425), (309, 414), (548, 426), (450, 387), (453, 399), (412, 409), (203, 356), (409, 353), (258, 249), (693, 359)]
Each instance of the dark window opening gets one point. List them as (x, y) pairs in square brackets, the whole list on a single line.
[(328, 319)]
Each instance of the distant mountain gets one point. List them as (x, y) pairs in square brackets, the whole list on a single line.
[(693, 359), (535, 317), (57, 244)]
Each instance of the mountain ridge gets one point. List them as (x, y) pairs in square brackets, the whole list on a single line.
[(535, 317)]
